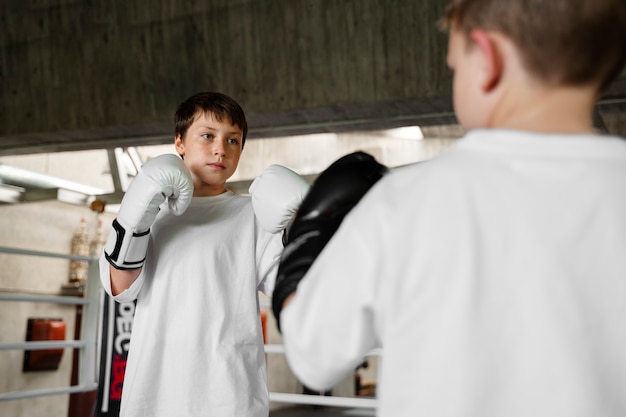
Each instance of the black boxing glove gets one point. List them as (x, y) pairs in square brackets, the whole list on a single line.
[(333, 194)]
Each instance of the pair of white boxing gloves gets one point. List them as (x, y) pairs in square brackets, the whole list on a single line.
[(276, 196)]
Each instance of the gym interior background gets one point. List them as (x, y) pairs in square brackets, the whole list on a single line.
[(88, 90)]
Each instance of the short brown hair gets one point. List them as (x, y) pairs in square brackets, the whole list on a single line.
[(219, 105), (562, 42)]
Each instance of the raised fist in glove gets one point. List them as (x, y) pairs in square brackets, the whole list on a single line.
[(163, 177), (333, 194), (276, 196)]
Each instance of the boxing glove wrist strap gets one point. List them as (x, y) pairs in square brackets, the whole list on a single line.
[(125, 249)]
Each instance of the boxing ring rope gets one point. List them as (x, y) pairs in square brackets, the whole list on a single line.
[(348, 402), (87, 376)]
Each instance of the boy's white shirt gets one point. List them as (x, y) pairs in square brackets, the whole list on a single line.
[(196, 346), (493, 276)]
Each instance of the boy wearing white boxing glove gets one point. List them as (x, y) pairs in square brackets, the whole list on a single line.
[(193, 255), (162, 178), (276, 196)]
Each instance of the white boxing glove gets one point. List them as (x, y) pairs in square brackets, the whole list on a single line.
[(276, 197), (164, 176)]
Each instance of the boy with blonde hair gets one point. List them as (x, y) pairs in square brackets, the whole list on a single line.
[(493, 276)]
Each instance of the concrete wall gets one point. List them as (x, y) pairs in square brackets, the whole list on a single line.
[(116, 69), (85, 74)]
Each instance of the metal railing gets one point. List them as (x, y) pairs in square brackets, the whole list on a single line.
[(87, 376)]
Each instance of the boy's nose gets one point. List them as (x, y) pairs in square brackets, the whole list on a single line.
[(218, 148)]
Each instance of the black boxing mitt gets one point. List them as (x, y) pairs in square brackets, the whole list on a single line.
[(333, 194)]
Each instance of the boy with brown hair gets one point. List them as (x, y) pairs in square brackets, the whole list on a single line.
[(493, 276), (193, 254)]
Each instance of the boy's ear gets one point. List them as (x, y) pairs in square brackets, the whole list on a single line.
[(492, 57), (179, 144)]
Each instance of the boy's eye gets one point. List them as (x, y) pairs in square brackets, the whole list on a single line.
[(233, 141), (207, 136)]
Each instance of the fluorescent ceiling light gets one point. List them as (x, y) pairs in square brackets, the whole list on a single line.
[(407, 132)]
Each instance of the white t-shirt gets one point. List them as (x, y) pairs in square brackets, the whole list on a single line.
[(197, 346), (493, 277)]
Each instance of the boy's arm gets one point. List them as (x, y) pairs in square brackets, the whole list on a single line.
[(122, 280), (163, 177)]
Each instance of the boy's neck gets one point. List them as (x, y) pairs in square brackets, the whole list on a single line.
[(209, 191), (545, 110)]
